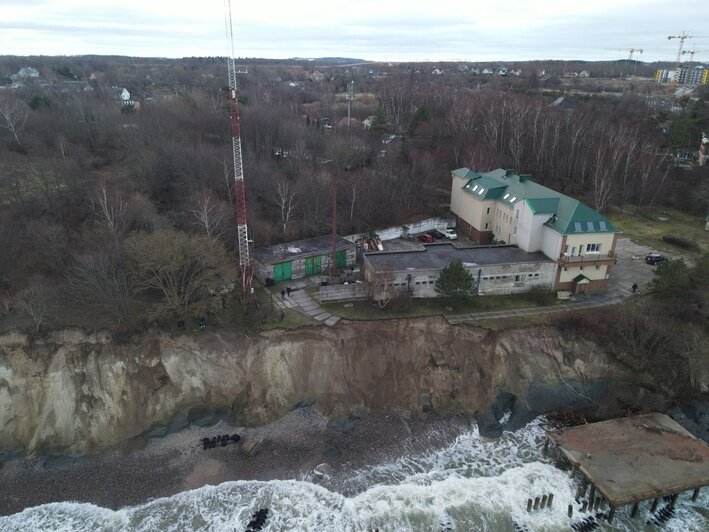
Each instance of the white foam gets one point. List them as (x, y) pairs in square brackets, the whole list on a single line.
[(472, 484)]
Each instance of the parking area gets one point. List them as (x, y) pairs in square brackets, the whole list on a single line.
[(630, 268)]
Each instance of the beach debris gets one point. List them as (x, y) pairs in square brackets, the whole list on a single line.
[(258, 519), (323, 470), (250, 447), (222, 440)]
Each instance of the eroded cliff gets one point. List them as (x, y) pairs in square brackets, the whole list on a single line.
[(74, 392)]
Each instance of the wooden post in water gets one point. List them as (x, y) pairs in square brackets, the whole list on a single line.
[(549, 501), (529, 505), (611, 513), (544, 502), (584, 506), (571, 510), (546, 446), (673, 500), (536, 503), (597, 506), (634, 511), (655, 502), (573, 471), (592, 493), (695, 494)]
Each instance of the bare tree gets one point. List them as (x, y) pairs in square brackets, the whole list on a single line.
[(353, 198), (183, 268), (35, 301), (110, 209), (381, 287), (13, 115), (98, 282), (208, 215), (286, 201)]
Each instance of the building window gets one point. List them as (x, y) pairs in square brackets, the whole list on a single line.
[(598, 267), (566, 250), (536, 275), (593, 248), (486, 224), (488, 210), (580, 268), (581, 249), (566, 269), (520, 278)]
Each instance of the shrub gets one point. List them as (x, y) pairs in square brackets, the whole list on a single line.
[(541, 296), (681, 242)]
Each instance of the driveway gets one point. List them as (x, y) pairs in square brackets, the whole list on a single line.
[(631, 268)]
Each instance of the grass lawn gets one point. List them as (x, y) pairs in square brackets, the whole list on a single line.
[(650, 225), (365, 310)]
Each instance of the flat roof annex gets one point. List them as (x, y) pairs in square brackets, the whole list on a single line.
[(319, 245), (636, 458), (438, 256)]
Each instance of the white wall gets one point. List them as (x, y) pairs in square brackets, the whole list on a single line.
[(390, 233), (551, 243)]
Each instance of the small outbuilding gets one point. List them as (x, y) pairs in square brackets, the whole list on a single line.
[(301, 258)]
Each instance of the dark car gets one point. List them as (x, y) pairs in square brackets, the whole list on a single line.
[(436, 234), (654, 258), (426, 238)]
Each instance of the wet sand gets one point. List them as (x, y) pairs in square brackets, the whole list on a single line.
[(292, 448)]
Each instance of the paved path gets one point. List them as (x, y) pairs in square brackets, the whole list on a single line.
[(300, 301)]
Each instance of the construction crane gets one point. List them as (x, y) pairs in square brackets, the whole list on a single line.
[(245, 273), (630, 51), (682, 37), (691, 53)]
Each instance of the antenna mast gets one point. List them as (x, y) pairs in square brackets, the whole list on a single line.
[(245, 269)]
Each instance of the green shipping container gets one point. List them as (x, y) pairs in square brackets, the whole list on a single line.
[(282, 271)]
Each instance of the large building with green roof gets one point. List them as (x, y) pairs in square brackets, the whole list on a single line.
[(504, 207)]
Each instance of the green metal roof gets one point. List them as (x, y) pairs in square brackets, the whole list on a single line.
[(543, 205), (567, 215)]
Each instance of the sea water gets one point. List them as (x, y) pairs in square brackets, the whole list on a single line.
[(471, 484)]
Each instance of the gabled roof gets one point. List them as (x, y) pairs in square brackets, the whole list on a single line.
[(567, 215)]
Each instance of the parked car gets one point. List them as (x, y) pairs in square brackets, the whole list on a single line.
[(451, 234), (436, 234), (654, 258), (426, 238)]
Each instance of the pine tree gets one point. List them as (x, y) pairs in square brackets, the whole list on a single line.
[(455, 282)]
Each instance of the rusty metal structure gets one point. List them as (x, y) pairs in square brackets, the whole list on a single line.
[(245, 273)]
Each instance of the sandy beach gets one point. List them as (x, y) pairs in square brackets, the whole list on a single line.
[(292, 447)]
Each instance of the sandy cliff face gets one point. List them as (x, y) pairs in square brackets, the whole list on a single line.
[(74, 392)]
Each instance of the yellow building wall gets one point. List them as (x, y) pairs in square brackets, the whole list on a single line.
[(574, 241), (590, 271)]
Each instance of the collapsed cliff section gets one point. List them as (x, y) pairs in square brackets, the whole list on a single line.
[(76, 393)]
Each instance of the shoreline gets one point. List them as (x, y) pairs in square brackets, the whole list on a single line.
[(292, 447)]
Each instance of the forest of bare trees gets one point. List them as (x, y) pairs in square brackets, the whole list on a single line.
[(83, 181)]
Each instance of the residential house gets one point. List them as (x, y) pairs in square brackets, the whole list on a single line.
[(584, 74), (367, 122), (25, 73), (504, 207), (317, 77), (437, 71)]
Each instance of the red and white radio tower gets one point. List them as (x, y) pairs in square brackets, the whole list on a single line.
[(245, 269)]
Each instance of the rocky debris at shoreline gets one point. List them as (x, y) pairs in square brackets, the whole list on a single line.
[(297, 446)]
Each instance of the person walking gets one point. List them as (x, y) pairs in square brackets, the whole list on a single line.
[(635, 287), (283, 294), (288, 290)]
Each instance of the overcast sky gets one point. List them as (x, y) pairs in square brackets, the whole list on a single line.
[(393, 30)]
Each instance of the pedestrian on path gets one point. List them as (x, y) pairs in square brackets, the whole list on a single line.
[(283, 294), (635, 287), (288, 290), (281, 315)]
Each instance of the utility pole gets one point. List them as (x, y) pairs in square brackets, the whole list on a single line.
[(245, 273), (350, 97)]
